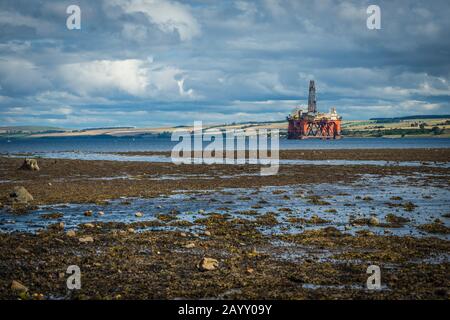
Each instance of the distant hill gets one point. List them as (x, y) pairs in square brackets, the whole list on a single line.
[(103, 128), (30, 129), (395, 119)]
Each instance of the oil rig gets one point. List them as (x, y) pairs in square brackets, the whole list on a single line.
[(313, 124)]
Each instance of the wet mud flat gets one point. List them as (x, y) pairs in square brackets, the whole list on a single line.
[(432, 154), (308, 233)]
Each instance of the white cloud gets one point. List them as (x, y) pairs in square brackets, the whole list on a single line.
[(17, 19), (182, 91), (104, 75), (168, 16), (59, 110), (139, 78), (21, 76), (275, 7), (135, 32)]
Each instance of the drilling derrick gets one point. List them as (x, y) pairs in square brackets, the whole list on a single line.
[(313, 124), (312, 97)]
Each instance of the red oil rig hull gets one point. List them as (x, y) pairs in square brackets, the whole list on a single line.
[(313, 124), (306, 129)]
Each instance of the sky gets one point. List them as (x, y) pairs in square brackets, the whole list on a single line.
[(150, 63)]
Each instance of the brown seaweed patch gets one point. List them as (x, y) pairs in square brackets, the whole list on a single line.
[(316, 200), (53, 215), (435, 227)]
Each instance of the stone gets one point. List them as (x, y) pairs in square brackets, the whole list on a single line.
[(131, 230), (89, 225), (183, 234), (374, 221), (208, 264), (22, 250), (88, 213), (71, 233), (61, 225), (201, 211), (21, 195), (38, 296), (138, 214), (207, 233), (86, 239), (30, 164), (101, 213), (189, 245), (17, 287), (250, 270)]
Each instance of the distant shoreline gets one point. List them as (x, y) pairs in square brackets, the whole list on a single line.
[(434, 127)]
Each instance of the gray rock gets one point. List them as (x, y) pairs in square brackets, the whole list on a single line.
[(86, 239), (20, 195), (71, 233), (88, 213), (208, 264), (374, 221), (30, 164), (18, 287)]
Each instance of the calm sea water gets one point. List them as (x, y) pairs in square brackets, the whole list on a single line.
[(147, 143)]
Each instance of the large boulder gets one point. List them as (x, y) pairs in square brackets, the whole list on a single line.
[(20, 195), (30, 164)]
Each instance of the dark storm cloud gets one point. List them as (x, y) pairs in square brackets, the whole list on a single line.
[(158, 62)]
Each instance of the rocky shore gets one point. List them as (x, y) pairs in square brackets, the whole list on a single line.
[(227, 253)]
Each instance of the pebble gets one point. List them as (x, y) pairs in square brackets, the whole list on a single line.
[(38, 296), (22, 250), (86, 239), (207, 233), (70, 233), (101, 213), (208, 264), (131, 230), (374, 221), (18, 287), (89, 225), (189, 245), (138, 214), (88, 213)]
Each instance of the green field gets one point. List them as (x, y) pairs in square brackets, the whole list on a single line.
[(395, 128)]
